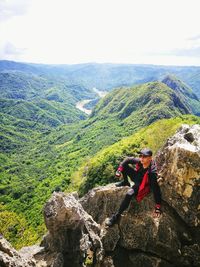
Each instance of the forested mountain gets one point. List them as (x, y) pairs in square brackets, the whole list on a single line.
[(107, 76), (45, 139), (34, 98), (184, 92), (150, 101)]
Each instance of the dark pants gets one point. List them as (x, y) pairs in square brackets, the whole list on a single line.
[(129, 171)]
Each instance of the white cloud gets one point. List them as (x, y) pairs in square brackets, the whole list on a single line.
[(73, 31), (10, 8), (194, 38), (11, 50), (192, 52)]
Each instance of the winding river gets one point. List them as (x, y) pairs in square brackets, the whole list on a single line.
[(80, 105)]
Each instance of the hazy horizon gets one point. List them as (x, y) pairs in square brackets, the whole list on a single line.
[(100, 63)]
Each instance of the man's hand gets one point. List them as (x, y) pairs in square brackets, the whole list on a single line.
[(160, 180), (118, 174), (157, 212), (119, 171)]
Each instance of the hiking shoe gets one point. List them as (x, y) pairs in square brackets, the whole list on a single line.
[(113, 220), (122, 183)]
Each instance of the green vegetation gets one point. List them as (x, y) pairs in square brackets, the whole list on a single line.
[(184, 92), (38, 99), (100, 169), (15, 228), (106, 76), (141, 105)]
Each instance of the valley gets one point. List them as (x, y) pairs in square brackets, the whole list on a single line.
[(59, 132)]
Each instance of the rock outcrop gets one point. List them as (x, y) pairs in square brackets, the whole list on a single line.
[(73, 233), (179, 163), (77, 235), (9, 257), (138, 239)]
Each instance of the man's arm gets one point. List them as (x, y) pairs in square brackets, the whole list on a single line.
[(155, 188), (126, 161), (157, 193)]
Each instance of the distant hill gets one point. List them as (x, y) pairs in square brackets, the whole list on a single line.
[(39, 99), (108, 76), (142, 104), (177, 85), (184, 92), (126, 110)]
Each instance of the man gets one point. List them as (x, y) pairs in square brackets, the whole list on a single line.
[(144, 176)]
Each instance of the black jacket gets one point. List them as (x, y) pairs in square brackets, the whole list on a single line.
[(152, 174)]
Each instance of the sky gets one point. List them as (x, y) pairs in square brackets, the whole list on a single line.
[(161, 32)]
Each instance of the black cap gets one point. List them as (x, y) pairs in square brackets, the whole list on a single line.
[(145, 152)]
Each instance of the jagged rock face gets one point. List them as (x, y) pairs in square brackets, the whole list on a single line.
[(179, 163), (9, 257), (72, 231), (138, 239)]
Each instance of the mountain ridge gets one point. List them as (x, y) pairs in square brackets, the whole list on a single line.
[(186, 94), (147, 94), (108, 76)]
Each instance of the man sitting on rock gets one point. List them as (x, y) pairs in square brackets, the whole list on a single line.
[(144, 176)]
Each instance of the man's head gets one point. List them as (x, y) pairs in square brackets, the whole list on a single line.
[(145, 156)]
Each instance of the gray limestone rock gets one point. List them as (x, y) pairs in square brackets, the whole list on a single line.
[(72, 231), (179, 164), (9, 257)]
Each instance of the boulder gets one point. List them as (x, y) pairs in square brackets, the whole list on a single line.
[(9, 257), (179, 164), (138, 239), (73, 234)]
